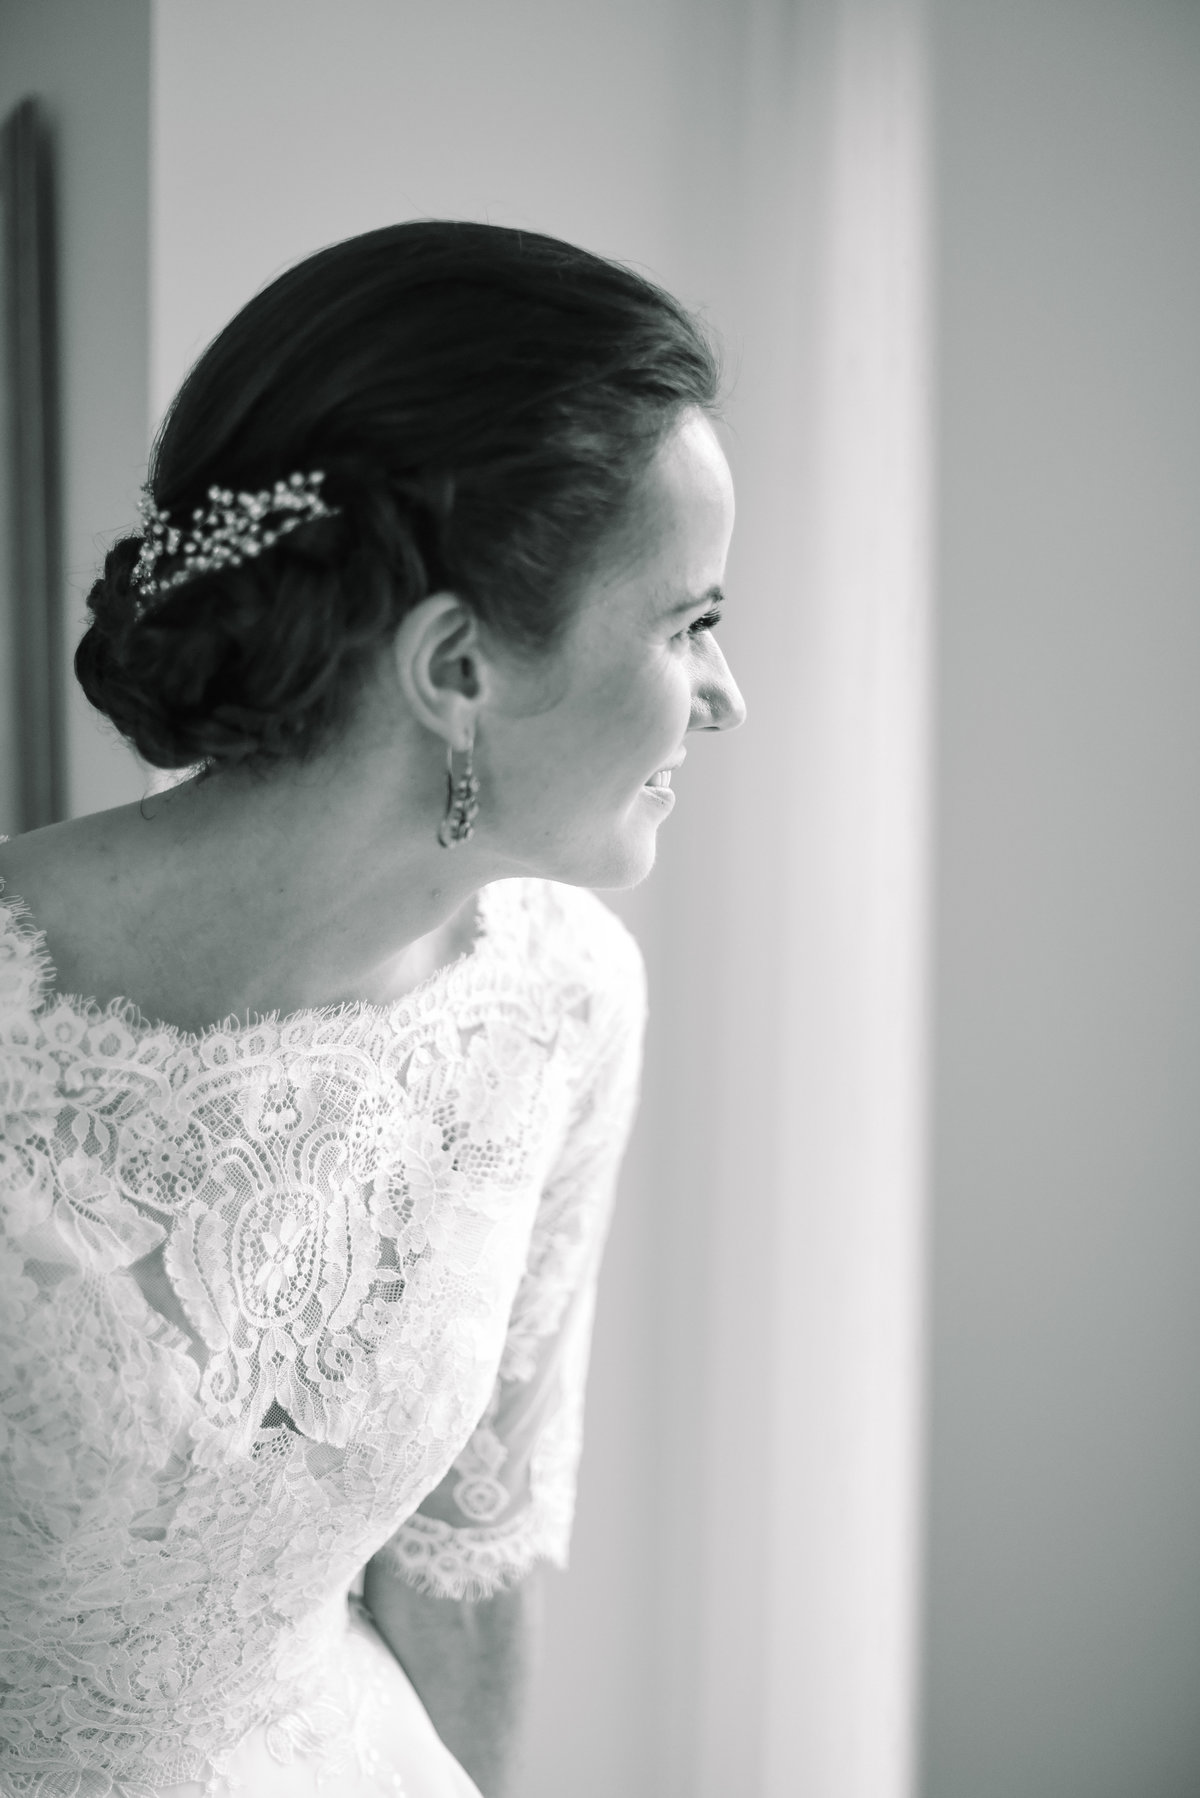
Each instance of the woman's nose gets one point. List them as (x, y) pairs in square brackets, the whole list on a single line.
[(717, 703)]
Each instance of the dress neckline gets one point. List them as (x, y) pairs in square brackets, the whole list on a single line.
[(32, 938)]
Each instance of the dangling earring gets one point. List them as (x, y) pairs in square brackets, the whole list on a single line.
[(462, 800)]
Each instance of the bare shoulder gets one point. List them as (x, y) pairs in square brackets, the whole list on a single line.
[(71, 879), (42, 864), (61, 860)]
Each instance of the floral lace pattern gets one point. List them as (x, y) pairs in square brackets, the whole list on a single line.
[(277, 1298)]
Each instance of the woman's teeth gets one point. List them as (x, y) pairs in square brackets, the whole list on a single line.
[(661, 779)]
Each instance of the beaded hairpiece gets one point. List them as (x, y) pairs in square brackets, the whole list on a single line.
[(229, 530)]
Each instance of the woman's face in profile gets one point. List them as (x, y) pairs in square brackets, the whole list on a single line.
[(637, 671)]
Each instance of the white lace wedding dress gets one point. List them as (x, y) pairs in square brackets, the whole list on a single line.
[(275, 1299)]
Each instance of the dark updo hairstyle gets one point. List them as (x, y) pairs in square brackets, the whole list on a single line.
[(483, 403)]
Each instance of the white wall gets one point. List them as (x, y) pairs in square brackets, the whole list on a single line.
[(279, 126), (1064, 1565), (849, 975), (89, 65)]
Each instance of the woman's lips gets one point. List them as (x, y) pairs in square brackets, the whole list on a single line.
[(659, 782), (663, 795)]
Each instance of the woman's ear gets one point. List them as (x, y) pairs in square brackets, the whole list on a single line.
[(439, 661)]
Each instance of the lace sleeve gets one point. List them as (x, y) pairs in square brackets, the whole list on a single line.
[(509, 1498)]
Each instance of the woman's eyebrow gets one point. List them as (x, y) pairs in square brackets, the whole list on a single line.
[(713, 597)]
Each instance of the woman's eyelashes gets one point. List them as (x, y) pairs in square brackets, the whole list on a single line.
[(708, 621)]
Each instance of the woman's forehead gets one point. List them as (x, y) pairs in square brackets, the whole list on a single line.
[(676, 535)]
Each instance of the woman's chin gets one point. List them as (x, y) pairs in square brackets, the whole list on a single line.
[(619, 860)]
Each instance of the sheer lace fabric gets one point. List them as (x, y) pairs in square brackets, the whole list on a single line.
[(277, 1299)]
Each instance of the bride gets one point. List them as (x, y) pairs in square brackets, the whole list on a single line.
[(316, 1069)]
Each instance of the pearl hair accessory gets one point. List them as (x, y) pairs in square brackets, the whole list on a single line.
[(228, 531)]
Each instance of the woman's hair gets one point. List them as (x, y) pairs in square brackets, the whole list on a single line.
[(483, 403)]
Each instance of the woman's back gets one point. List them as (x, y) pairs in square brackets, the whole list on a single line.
[(379, 1228)]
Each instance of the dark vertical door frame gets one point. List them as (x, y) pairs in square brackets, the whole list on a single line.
[(31, 347)]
